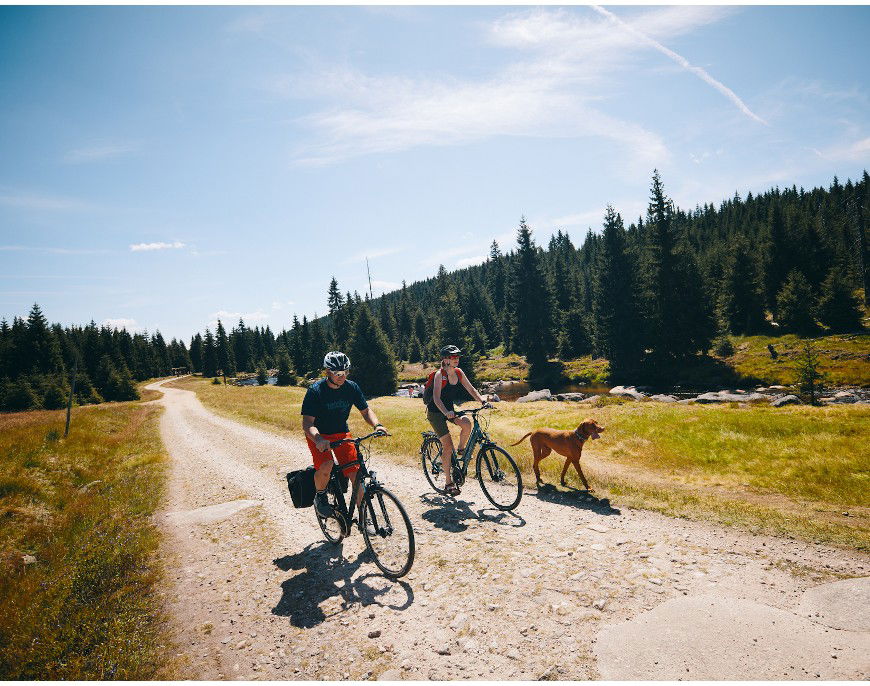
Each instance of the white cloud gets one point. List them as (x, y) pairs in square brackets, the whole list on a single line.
[(566, 64), (121, 323), (281, 304), (683, 62), (138, 247), (100, 152), (857, 151)]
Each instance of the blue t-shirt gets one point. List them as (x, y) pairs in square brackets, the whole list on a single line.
[(330, 407)]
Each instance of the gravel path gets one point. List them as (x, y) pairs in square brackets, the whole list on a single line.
[(566, 588)]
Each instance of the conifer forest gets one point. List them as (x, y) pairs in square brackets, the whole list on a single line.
[(649, 294)]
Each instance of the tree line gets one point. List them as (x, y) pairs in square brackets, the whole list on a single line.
[(648, 297)]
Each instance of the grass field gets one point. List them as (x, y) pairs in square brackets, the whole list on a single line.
[(82, 604), (792, 470)]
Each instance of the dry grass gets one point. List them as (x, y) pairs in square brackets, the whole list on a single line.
[(791, 470), (81, 506)]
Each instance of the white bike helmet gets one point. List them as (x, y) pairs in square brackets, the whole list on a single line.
[(336, 361)]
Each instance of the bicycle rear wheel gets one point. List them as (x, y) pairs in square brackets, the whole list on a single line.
[(499, 477), (388, 532), (331, 526), (430, 453)]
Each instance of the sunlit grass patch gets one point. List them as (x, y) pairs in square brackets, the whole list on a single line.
[(78, 547), (809, 456)]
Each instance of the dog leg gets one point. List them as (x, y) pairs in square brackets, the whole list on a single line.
[(564, 471), (580, 474)]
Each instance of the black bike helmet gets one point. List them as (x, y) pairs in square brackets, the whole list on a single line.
[(449, 350), (336, 361)]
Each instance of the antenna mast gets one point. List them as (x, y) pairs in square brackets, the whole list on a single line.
[(371, 297)]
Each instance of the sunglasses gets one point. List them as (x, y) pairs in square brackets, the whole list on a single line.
[(341, 373)]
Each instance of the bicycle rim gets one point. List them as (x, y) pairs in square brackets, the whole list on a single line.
[(430, 453), (330, 526), (392, 540), (499, 477)]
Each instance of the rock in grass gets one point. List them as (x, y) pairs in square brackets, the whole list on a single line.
[(786, 400)]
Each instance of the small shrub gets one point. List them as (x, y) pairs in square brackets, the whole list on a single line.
[(262, 378), (216, 381), (723, 347)]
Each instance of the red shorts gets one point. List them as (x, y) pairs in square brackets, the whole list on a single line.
[(344, 453)]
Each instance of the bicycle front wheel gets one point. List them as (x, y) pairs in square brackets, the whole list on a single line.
[(388, 532), (430, 453), (499, 477)]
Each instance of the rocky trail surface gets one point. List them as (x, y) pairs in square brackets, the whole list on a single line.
[(567, 587)]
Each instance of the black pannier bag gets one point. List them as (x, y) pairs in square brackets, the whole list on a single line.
[(301, 485)]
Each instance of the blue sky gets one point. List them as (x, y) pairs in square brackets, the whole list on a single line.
[(161, 167)]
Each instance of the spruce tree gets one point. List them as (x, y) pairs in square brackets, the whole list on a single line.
[(373, 365), (196, 354), (285, 370), (614, 312), (838, 308), (794, 303), (318, 347), (808, 373), (209, 355), (225, 360), (741, 304), (241, 347), (531, 302)]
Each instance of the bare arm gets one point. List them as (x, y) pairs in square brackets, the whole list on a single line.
[(311, 432), (466, 384), (369, 415)]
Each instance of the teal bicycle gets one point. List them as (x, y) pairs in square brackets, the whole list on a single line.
[(497, 473)]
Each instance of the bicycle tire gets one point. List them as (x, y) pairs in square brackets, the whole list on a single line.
[(497, 468), (433, 466), (392, 544), (331, 527)]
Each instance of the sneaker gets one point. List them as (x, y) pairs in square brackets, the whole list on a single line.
[(321, 504)]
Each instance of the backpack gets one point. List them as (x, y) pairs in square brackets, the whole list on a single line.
[(430, 382), (301, 485)]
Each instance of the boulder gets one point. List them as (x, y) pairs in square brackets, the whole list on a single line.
[(629, 391), (711, 397), (687, 401), (543, 394), (570, 397), (663, 398), (786, 400), (844, 397), (591, 399)]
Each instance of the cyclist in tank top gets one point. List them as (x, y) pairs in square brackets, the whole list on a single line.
[(439, 409)]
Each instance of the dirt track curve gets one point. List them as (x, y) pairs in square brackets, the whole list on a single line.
[(565, 588)]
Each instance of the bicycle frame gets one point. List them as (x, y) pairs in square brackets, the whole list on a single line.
[(364, 480), (478, 437)]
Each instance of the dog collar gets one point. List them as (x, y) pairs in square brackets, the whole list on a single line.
[(580, 437)]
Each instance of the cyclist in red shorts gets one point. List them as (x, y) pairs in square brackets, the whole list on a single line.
[(325, 410)]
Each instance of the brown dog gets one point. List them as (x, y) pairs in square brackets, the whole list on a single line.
[(567, 443)]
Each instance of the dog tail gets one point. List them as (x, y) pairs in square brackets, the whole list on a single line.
[(522, 439)]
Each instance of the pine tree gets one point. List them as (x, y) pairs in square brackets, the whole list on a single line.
[(317, 350), (808, 373), (196, 354), (838, 308), (775, 250), (286, 377), (209, 363), (614, 312), (241, 347), (373, 363), (740, 305), (262, 377), (42, 353), (225, 359), (531, 304), (338, 314), (794, 303)]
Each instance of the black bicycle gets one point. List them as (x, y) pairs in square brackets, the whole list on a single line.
[(497, 473), (385, 525)]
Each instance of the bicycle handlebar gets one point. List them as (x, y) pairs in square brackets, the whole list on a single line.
[(473, 410), (374, 434)]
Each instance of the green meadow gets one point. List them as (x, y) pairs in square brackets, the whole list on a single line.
[(787, 471)]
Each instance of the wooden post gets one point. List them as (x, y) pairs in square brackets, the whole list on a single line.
[(72, 391)]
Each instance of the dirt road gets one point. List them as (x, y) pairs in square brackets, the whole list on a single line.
[(565, 588)]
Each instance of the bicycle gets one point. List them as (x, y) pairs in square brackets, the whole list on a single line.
[(385, 525), (497, 473)]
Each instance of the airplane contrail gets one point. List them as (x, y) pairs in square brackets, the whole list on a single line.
[(683, 62)]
